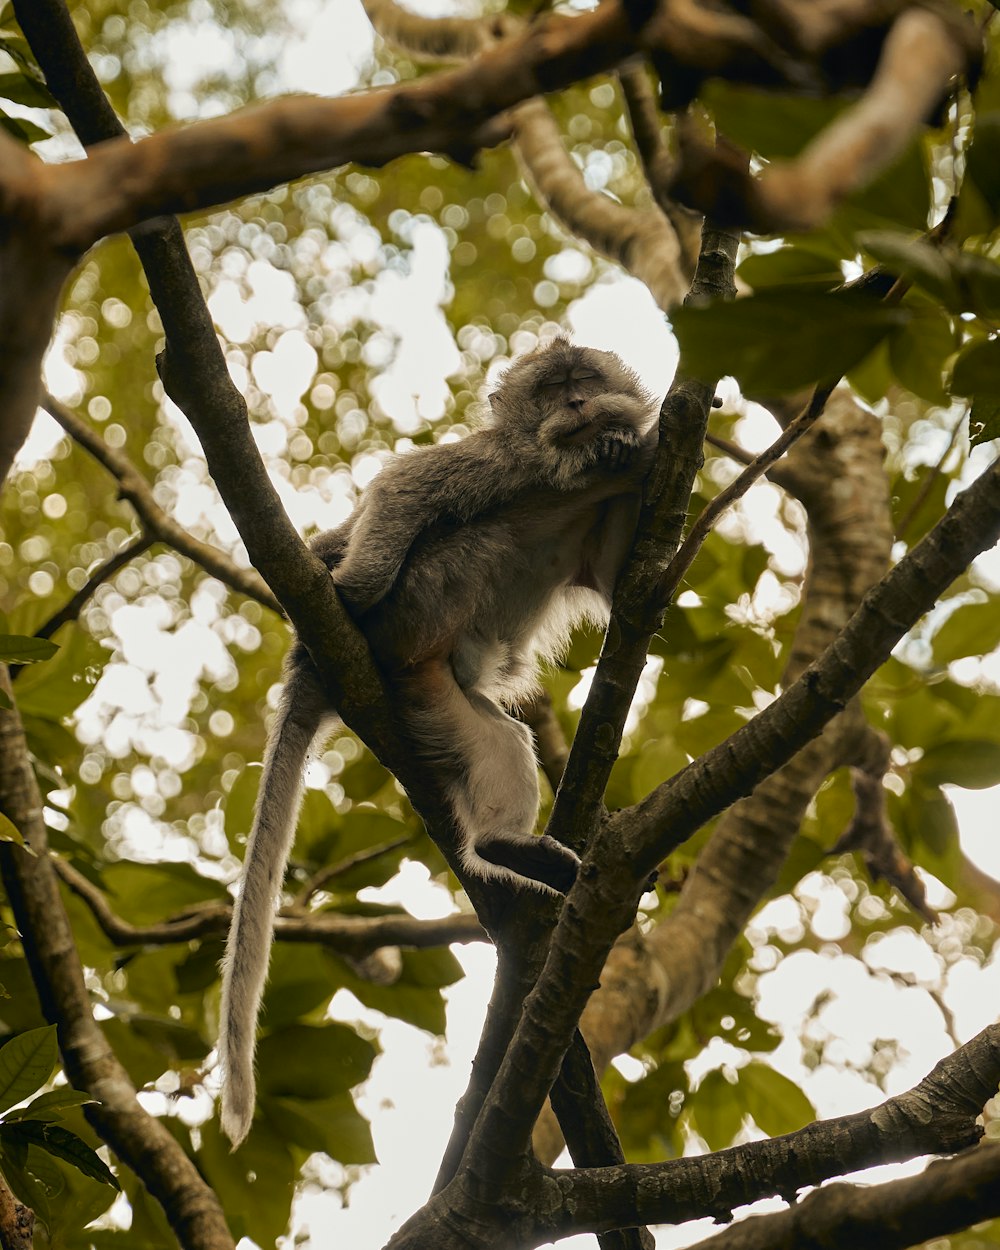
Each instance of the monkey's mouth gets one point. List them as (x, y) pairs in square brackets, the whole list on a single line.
[(581, 433)]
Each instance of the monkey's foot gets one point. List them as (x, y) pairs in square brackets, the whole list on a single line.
[(538, 862)]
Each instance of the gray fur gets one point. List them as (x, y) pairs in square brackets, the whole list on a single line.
[(465, 564)]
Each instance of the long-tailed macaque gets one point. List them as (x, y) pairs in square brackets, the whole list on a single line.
[(465, 564)]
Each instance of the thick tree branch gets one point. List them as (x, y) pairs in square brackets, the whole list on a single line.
[(635, 617), (951, 1195), (17, 1222), (659, 166), (642, 241), (970, 526), (601, 904), (195, 375), (456, 112)]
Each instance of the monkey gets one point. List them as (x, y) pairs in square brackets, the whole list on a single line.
[(465, 565)]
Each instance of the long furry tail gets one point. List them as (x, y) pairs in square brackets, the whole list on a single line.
[(302, 711)]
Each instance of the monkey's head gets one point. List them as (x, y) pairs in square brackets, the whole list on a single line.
[(563, 395)]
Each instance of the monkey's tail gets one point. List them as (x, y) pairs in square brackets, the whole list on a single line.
[(244, 966)]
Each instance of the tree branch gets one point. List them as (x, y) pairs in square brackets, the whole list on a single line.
[(635, 617), (641, 240), (937, 1116), (135, 546), (950, 1195), (156, 523), (355, 936)]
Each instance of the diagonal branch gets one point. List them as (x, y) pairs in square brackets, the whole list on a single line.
[(135, 546), (641, 240), (157, 523)]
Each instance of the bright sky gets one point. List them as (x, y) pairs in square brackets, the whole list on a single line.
[(868, 997)]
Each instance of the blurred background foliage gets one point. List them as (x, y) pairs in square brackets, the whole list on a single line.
[(147, 726)]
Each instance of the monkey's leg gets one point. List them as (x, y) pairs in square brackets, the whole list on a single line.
[(493, 783)]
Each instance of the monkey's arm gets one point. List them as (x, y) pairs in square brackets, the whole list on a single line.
[(454, 482), (459, 482)]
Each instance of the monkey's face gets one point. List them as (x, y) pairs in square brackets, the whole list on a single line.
[(565, 396)]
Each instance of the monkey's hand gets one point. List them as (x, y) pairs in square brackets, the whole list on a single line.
[(616, 449)]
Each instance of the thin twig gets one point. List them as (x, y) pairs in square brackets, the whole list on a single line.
[(134, 487), (135, 546), (689, 548), (326, 874), (928, 483)]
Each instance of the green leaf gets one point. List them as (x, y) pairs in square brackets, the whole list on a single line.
[(973, 764), (936, 825), (716, 1110), (776, 1103), (145, 893), (916, 259), (22, 130), (769, 123), (306, 1061), (363, 778), (332, 1124), (979, 278), (9, 832), (58, 1141), (254, 1184), (26, 1062), (62, 1197), (27, 91), (972, 629), (917, 502), (900, 195), (977, 369), (416, 995), (984, 420), (300, 981), (19, 649), (50, 1106), (790, 266), (785, 338), (54, 691), (647, 1112), (918, 353), (983, 157)]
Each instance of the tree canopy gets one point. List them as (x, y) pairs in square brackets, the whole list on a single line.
[(799, 205)]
